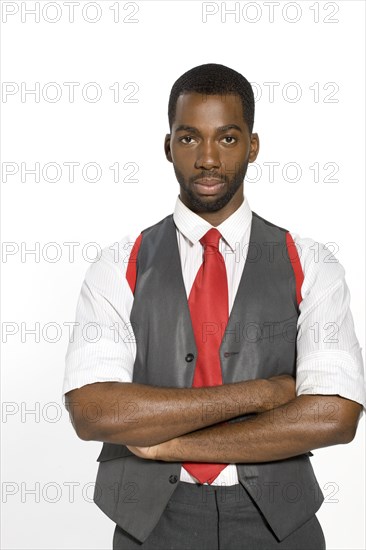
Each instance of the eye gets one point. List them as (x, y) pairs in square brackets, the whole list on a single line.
[(186, 138), (231, 138)]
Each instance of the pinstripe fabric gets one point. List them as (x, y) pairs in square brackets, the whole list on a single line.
[(329, 359)]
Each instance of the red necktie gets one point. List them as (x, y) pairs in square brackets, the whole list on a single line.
[(209, 309)]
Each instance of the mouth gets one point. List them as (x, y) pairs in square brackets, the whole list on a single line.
[(209, 186)]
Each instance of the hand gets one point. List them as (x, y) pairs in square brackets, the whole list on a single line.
[(162, 451), (285, 390), (150, 453)]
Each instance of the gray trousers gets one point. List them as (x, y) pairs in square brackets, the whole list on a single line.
[(202, 517)]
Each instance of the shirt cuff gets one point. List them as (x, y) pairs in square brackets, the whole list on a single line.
[(88, 367), (328, 372)]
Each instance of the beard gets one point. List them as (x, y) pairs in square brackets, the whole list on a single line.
[(198, 204)]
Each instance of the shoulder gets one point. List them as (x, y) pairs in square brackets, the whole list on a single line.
[(112, 262), (321, 267), (271, 229)]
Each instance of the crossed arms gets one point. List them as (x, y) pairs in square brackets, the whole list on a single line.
[(191, 424)]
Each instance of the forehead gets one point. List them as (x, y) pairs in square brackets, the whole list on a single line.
[(217, 110)]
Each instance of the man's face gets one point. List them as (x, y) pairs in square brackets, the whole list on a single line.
[(210, 147)]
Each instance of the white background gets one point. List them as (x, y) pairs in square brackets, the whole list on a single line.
[(40, 450)]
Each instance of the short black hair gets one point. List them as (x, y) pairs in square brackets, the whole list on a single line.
[(214, 79)]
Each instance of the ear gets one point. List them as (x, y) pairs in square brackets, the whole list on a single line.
[(168, 153), (254, 147)]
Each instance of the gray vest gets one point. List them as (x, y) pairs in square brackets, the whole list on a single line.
[(259, 342)]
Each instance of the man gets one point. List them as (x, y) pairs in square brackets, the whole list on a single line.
[(217, 298)]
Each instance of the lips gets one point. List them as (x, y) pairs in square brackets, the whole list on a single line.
[(209, 186), (209, 182)]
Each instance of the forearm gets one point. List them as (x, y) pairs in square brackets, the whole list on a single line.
[(137, 414), (307, 423)]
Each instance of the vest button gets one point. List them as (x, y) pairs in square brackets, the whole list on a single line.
[(189, 357), (173, 479)]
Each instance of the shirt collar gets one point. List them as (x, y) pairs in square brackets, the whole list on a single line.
[(193, 227)]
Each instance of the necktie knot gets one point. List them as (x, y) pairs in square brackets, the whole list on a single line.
[(211, 238)]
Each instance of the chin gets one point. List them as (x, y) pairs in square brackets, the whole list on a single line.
[(211, 204)]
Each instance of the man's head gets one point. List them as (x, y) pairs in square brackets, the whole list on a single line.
[(211, 116), (214, 79)]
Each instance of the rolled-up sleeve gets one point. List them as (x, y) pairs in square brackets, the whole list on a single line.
[(329, 357), (102, 344)]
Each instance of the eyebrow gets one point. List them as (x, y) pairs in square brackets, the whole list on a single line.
[(185, 128)]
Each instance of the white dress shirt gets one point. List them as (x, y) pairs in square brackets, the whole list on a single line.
[(329, 359)]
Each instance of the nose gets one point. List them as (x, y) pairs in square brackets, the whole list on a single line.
[(207, 156)]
